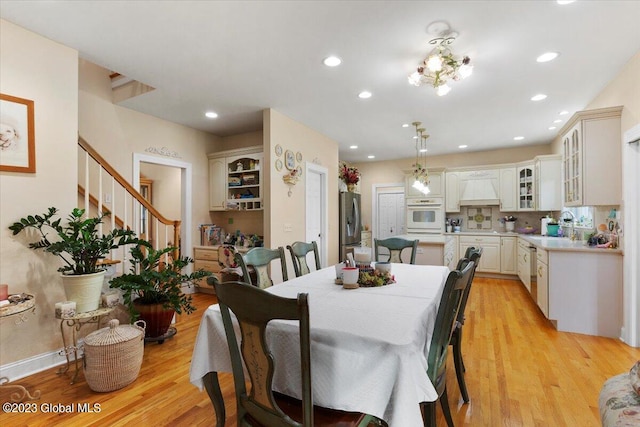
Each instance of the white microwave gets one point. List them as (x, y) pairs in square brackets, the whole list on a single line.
[(425, 215)]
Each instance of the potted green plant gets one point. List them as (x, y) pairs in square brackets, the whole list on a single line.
[(80, 245), (152, 290)]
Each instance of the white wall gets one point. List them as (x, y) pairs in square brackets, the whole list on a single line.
[(46, 72)]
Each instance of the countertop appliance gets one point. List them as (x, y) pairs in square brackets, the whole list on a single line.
[(350, 222), (543, 226)]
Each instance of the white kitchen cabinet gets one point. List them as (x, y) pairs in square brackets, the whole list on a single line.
[(490, 259), (542, 281), (508, 255), (524, 263), (217, 184), (436, 185), (548, 182), (235, 179), (451, 255), (526, 187), (508, 192), (452, 192), (591, 158)]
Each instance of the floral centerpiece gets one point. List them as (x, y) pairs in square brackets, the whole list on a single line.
[(369, 279), (349, 174)]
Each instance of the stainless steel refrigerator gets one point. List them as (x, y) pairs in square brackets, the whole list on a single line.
[(350, 222)]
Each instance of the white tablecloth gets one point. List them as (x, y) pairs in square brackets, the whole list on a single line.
[(368, 345)]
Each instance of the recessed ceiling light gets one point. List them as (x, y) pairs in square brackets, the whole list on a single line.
[(538, 97), (371, 156), (547, 56), (563, 2), (462, 146), (211, 114), (557, 121), (406, 125), (552, 127), (364, 94), (353, 147), (563, 112), (518, 138), (332, 61)]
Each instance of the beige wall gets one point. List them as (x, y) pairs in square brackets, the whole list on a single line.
[(391, 172), (105, 126), (46, 72), (243, 140), (279, 207)]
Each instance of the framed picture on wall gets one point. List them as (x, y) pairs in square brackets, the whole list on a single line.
[(17, 138)]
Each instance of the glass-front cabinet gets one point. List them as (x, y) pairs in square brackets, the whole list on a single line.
[(572, 162), (526, 188)]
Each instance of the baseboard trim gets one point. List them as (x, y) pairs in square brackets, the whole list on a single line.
[(32, 365)]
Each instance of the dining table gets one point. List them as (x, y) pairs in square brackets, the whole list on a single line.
[(369, 345)]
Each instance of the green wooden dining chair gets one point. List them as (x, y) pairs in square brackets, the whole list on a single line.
[(454, 287), (259, 259), (471, 254), (396, 245), (254, 308), (299, 251)]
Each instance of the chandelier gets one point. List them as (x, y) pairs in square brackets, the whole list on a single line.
[(440, 67), (420, 172)]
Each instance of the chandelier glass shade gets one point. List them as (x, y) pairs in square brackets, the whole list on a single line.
[(441, 67), (420, 171)]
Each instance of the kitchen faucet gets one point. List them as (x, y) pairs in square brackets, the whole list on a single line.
[(572, 235)]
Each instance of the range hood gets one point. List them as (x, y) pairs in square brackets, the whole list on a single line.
[(479, 192)]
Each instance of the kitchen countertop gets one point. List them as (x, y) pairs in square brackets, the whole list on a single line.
[(436, 239)]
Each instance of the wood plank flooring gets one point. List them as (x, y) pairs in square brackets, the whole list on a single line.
[(520, 372)]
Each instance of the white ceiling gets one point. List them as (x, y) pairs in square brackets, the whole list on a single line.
[(240, 57)]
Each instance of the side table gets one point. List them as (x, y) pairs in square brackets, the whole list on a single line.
[(20, 310), (75, 323)]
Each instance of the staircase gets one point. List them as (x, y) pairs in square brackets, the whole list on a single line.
[(102, 189)]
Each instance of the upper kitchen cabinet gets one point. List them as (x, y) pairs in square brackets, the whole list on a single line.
[(526, 187), (452, 187), (591, 158), (508, 192), (235, 179), (436, 185), (548, 177)]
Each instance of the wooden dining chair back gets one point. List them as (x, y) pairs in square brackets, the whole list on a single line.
[(396, 245), (454, 287), (253, 309), (259, 259), (471, 254), (299, 251)]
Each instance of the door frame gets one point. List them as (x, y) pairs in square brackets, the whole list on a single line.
[(186, 174), (375, 189), (324, 209)]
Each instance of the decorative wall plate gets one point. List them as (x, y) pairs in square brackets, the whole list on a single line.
[(289, 160), (299, 156), (278, 150), (278, 165)]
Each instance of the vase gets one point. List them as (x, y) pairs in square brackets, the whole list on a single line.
[(510, 225), (351, 188), (84, 289)]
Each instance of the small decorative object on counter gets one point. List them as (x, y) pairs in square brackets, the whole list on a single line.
[(4, 292), (110, 299), (509, 222)]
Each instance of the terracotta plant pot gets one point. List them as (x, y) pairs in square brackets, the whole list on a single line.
[(157, 318)]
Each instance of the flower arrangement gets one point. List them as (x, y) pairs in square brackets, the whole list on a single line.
[(349, 174), (509, 218), (375, 278)]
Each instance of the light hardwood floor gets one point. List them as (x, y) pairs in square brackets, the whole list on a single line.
[(520, 372)]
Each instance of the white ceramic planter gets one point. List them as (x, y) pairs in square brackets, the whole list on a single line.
[(84, 290)]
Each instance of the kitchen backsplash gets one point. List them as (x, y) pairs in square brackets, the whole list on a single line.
[(487, 218)]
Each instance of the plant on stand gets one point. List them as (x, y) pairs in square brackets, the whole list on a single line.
[(80, 245), (349, 175), (152, 290)]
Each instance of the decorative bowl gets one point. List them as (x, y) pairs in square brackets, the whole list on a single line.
[(527, 230)]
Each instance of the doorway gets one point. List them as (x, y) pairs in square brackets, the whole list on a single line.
[(388, 211), (316, 207), (185, 192)]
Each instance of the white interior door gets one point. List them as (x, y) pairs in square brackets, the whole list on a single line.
[(316, 210), (391, 214)]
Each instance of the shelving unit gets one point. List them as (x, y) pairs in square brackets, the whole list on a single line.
[(244, 189)]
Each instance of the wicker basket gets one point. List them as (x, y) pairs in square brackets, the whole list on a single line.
[(113, 356)]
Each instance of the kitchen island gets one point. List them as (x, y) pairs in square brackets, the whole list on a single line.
[(430, 248), (578, 288)]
